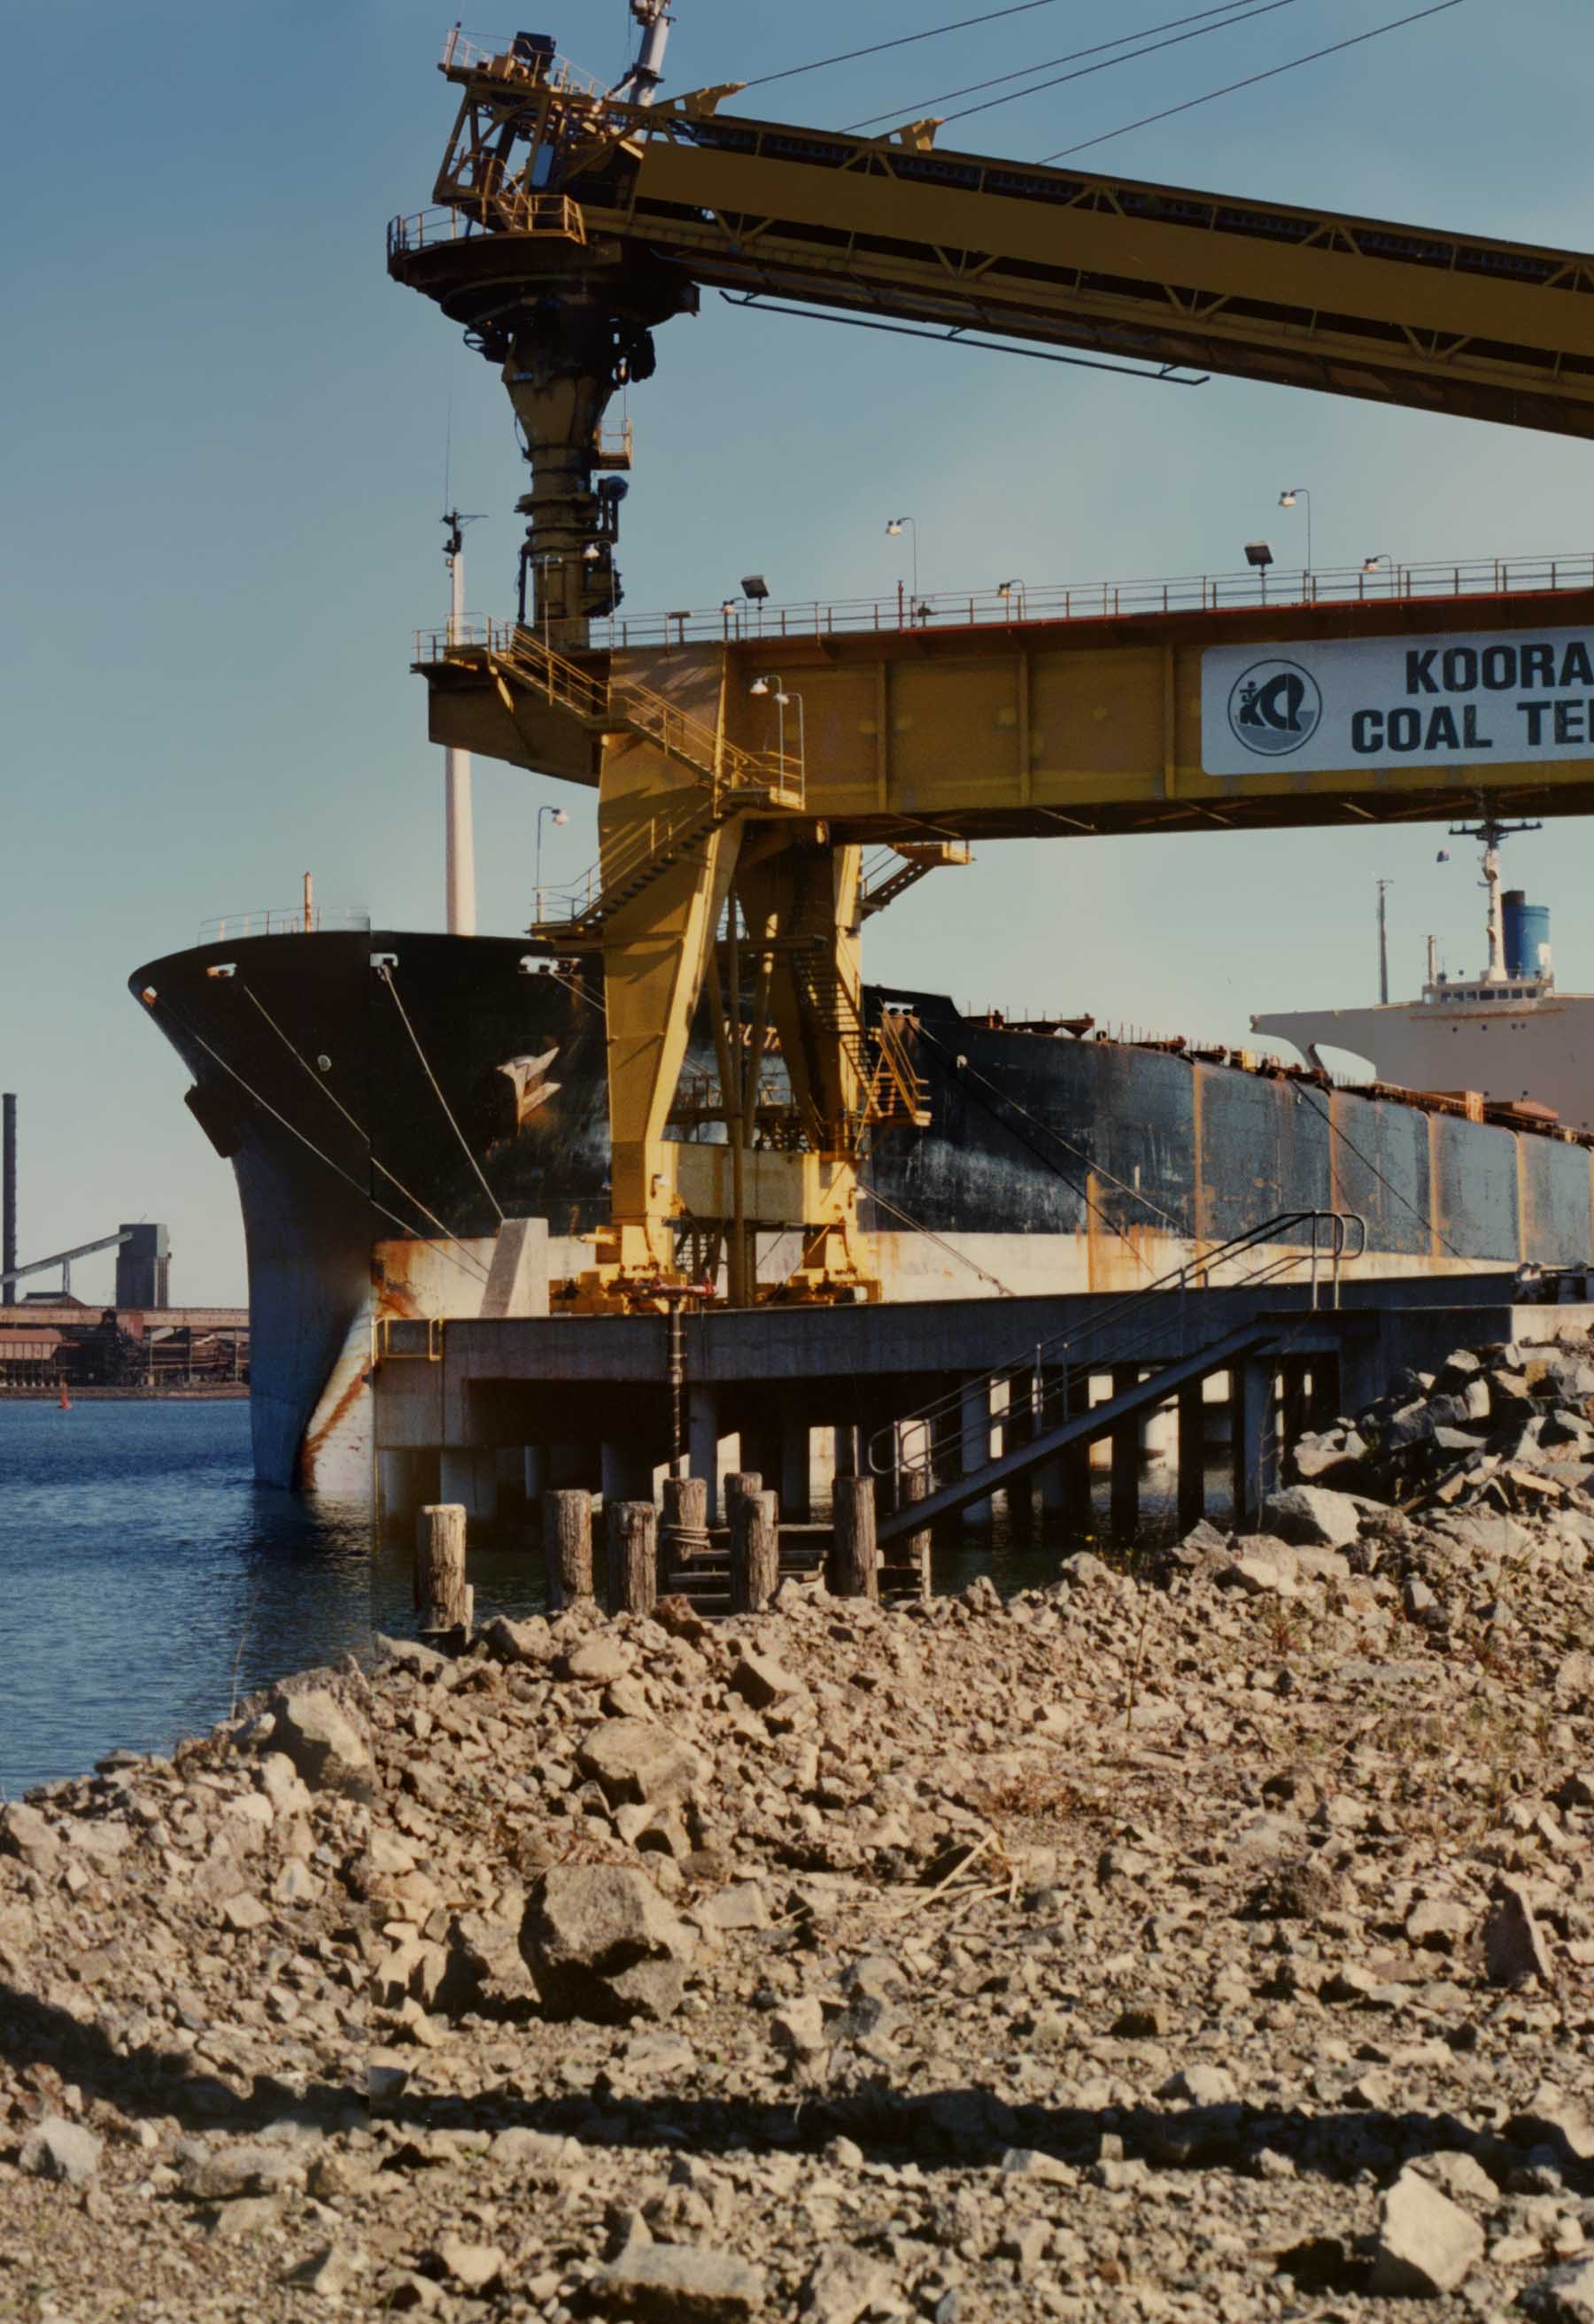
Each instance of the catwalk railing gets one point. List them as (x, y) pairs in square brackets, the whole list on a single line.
[(1007, 605)]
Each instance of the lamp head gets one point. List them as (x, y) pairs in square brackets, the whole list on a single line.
[(759, 686), (1287, 499), (895, 526), (559, 816), (1371, 564)]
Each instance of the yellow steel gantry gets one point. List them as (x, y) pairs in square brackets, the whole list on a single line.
[(572, 224)]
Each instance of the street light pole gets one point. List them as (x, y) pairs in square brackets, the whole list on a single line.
[(560, 816), (895, 526), (1287, 499)]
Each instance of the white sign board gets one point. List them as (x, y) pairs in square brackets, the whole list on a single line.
[(1459, 701)]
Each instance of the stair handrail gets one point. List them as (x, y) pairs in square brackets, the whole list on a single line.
[(681, 734), (1053, 1353)]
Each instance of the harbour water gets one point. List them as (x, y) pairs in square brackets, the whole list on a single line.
[(147, 1582)]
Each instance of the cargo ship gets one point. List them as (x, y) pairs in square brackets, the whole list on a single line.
[(386, 1098)]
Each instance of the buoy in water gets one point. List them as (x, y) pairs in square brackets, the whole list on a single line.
[(66, 1401)]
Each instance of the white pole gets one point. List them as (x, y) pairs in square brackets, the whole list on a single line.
[(460, 843)]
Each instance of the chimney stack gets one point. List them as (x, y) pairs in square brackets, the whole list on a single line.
[(8, 1198)]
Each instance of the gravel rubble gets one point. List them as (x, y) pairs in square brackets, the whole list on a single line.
[(1210, 1939)]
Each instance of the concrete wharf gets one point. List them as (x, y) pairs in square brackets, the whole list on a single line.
[(461, 1405)]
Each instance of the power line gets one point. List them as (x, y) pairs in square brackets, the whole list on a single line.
[(1228, 14), (1252, 79), (907, 40)]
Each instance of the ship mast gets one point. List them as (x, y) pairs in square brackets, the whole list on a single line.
[(1491, 831), (460, 842)]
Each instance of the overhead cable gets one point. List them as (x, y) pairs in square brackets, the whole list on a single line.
[(1154, 48), (1251, 80), (1231, 12), (905, 40)]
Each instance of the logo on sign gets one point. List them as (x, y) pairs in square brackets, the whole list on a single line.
[(1275, 707)]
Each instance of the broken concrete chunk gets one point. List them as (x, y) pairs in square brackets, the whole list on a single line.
[(601, 1943), (667, 2281), (633, 1759), (1312, 1514), (1513, 1945), (58, 2149), (760, 1680), (1426, 2244), (326, 1746)]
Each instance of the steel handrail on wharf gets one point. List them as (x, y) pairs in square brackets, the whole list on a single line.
[(887, 1451)]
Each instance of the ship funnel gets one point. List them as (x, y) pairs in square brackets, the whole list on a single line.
[(1527, 936)]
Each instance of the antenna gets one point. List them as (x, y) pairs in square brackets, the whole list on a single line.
[(1491, 831), (638, 85)]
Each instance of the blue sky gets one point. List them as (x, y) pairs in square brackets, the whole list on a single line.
[(225, 435)]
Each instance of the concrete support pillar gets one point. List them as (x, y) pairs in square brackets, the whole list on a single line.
[(1126, 1455), (980, 1441), (1256, 1449), (627, 1472), (1323, 1405), (761, 1450), (536, 1473), (469, 1477), (1294, 1372), (1053, 1478), (399, 1491), (793, 1473), (1192, 1456), (702, 1436)]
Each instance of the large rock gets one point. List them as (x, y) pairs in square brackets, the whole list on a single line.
[(323, 1742), (224, 2175), (632, 1760), (58, 2149), (601, 1943), (670, 2281), (1312, 1514), (1426, 2244)]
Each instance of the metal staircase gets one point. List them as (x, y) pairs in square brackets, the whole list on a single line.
[(725, 779), (892, 1090), (884, 881), (948, 1456)]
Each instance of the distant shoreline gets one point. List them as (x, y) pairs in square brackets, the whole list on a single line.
[(223, 1392)]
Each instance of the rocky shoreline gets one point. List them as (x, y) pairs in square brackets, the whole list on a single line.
[(1209, 1940)]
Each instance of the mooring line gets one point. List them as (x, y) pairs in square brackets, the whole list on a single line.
[(386, 974)]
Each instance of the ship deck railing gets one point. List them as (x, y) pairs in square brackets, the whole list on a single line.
[(323, 920)]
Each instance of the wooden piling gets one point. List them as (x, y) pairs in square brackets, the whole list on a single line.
[(854, 1560), (741, 1481), (567, 1545), (633, 1530), (754, 1551), (443, 1597), (684, 1534)]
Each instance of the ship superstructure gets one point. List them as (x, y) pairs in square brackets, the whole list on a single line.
[(1508, 1033)]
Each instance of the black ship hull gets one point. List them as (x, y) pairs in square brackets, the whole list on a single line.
[(384, 1097)]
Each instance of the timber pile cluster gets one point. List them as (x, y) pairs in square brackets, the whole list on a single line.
[(1215, 1943)]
